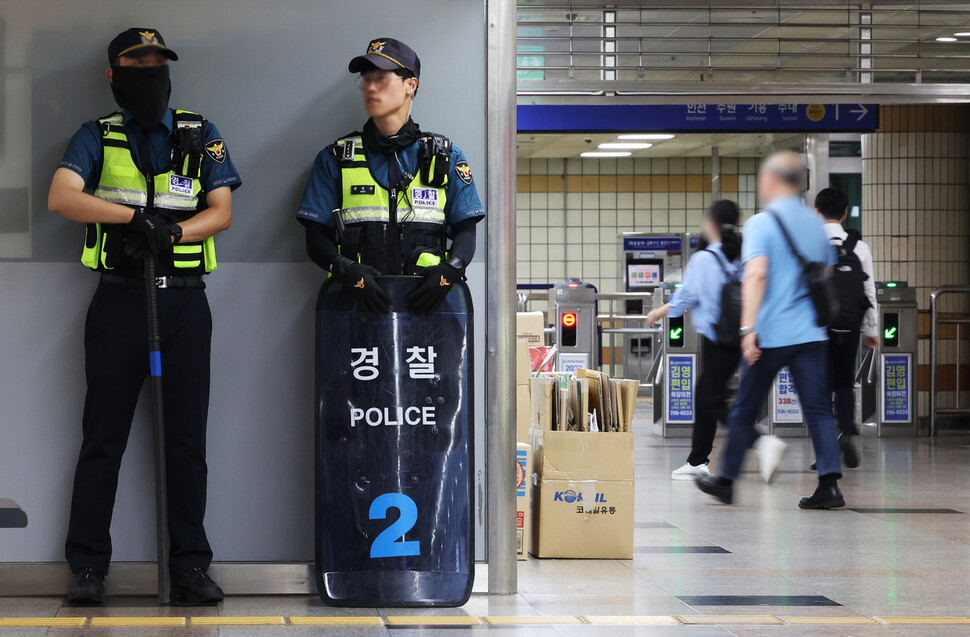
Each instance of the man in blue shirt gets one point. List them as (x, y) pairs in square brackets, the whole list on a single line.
[(393, 195), (149, 183), (779, 327)]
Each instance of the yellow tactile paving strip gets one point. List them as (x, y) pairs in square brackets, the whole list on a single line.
[(471, 621), (226, 620)]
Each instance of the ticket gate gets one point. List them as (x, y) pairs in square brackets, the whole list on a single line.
[(649, 259), (675, 373), (576, 337), (888, 381)]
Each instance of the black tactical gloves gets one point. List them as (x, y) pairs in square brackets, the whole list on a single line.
[(147, 235), (438, 280), (360, 280)]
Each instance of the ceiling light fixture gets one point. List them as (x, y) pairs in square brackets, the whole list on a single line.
[(653, 136), (625, 146), (946, 39), (594, 153), (962, 34)]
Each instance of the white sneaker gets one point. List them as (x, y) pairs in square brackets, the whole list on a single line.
[(769, 449), (690, 472)]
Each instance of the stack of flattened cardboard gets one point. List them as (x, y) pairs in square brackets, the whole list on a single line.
[(587, 401), (612, 401)]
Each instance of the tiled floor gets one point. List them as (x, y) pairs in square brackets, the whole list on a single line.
[(761, 567)]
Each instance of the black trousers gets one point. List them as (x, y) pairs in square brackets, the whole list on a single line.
[(717, 364), (843, 347), (116, 365)]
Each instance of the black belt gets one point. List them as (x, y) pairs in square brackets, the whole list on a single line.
[(161, 282)]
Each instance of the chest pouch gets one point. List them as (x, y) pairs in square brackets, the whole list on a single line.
[(434, 160)]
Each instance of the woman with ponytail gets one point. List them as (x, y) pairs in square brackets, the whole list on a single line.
[(715, 264)]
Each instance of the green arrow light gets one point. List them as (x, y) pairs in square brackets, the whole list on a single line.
[(675, 333), (889, 333)]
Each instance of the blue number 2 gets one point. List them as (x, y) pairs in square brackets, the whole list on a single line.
[(386, 544)]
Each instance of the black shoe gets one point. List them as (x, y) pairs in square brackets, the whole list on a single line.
[(826, 496), (720, 488), (195, 587), (850, 454), (87, 587), (813, 466)]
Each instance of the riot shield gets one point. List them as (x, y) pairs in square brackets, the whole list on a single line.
[(394, 450)]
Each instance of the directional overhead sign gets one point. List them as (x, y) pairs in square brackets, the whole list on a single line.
[(697, 117)]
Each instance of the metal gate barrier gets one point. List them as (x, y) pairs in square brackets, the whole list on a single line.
[(575, 303), (935, 322), (677, 367), (888, 373)]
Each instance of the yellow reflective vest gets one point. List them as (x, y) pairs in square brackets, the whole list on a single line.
[(173, 195), (397, 230)]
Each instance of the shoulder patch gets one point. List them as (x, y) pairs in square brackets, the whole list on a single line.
[(464, 171), (216, 150)]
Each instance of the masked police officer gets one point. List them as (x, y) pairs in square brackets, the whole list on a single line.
[(148, 182), (387, 200)]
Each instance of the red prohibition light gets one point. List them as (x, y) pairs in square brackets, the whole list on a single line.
[(569, 319)]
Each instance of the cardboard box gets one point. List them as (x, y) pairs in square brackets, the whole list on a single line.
[(523, 366), (530, 327), (582, 494), (523, 413), (523, 482)]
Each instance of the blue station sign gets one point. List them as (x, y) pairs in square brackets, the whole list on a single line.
[(697, 117), (669, 244)]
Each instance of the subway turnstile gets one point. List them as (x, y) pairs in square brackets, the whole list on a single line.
[(674, 383), (888, 380), (576, 339), (394, 451)]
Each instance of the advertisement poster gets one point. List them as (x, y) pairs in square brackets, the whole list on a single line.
[(897, 396), (680, 388), (785, 404)]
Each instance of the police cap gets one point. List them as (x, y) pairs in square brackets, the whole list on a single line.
[(386, 54), (136, 42)]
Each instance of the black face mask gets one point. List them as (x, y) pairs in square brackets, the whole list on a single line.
[(144, 91)]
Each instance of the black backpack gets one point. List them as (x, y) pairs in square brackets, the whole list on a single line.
[(849, 280), (821, 287), (729, 322)]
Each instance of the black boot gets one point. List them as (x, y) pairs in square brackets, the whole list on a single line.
[(849, 453), (720, 488), (87, 587), (195, 587), (826, 496)]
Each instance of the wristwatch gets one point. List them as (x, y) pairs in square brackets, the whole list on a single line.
[(176, 230), (744, 331)]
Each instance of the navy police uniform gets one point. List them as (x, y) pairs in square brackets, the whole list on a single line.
[(399, 205), (116, 361)]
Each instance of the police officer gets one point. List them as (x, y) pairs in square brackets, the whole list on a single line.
[(387, 200), (148, 182)]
